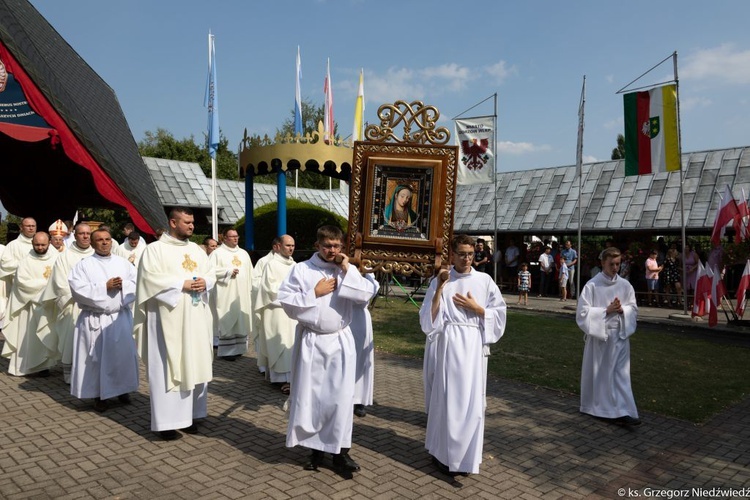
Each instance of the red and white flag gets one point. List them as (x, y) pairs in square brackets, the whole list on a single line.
[(702, 291), (725, 213), (741, 220), (328, 107), (718, 291), (743, 287)]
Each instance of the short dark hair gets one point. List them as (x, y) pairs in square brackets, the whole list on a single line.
[(100, 229), (180, 210), (462, 239), (330, 232), (609, 253), (207, 239), (134, 235)]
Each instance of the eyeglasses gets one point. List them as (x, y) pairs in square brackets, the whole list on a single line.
[(332, 247), (465, 255)]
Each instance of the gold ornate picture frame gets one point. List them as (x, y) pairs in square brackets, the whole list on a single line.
[(402, 194)]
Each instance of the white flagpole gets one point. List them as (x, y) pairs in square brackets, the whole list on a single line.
[(579, 166), (682, 190), (494, 181)]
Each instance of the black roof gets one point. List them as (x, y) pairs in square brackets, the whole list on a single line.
[(90, 109)]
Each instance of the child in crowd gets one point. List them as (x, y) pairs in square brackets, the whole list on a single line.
[(524, 284), (563, 280)]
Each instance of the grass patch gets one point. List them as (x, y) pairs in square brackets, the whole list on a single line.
[(674, 373)]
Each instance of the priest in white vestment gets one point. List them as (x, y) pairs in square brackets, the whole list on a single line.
[(12, 254), (174, 327), (105, 362), (364, 377), (257, 335), (132, 249), (3, 292), (58, 301), (277, 328), (469, 311), (232, 296), (58, 231), (607, 313), (25, 316), (321, 293)]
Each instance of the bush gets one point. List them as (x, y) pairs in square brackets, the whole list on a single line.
[(302, 220)]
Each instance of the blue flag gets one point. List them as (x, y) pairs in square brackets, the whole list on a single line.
[(211, 100), (298, 100)]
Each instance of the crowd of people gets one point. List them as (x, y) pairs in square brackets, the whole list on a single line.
[(96, 307)]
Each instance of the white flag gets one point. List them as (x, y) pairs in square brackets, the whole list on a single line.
[(475, 138)]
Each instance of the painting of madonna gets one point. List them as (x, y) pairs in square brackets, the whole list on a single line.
[(399, 213)]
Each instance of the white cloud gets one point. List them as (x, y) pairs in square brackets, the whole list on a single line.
[(725, 64), (609, 78), (500, 71), (618, 123), (589, 159), (520, 148), (416, 83)]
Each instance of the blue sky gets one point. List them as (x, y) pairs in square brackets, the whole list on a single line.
[(450, 54)]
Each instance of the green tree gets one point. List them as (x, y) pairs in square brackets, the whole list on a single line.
[(162, 144), (619, 152)]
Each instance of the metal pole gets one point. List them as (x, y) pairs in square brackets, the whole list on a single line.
[(682, 190), (579, 165), (494, 178), (214, 211)]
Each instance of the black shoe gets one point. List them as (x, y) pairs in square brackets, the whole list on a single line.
[(99, 405), (192, 429), (359, 410), (169, 435), (342, 462), (628, 421), (124, 398), (441, 466), (229, 358), (316, 457)]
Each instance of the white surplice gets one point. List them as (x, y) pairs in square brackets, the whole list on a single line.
[(130, 253), (105, 362), (324, 361), (605, 371), (61, 308), (25, 316), (232, 299), (174, 331), (361, 327), (9, 258), (259, 341), (277, 328), (455, 422)]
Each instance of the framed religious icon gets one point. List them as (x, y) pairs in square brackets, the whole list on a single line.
[(401, 204)]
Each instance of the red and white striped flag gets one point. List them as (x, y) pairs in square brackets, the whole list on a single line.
[(725, 213), (743, 287), (702, 290), (741, 220), (718, 291), (328, 107)]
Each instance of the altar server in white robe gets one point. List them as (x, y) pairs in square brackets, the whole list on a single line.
[(3, 292), (58, 301), (469, 311), (320, 293), (364, 377), (105, 363), (28, 355), (12, 254), (132, 249), (259, 341), (174, 327), (232, 296), (276, 326), (607, 313)]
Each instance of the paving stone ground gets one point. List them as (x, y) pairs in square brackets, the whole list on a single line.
[(537, 445)]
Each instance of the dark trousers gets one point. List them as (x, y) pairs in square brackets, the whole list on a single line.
[(545, 280)]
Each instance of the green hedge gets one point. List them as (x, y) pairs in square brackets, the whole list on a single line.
[(302, 220)]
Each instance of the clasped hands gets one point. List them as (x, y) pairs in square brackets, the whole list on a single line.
[(614, 307), (114, 283), (195, 285)]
